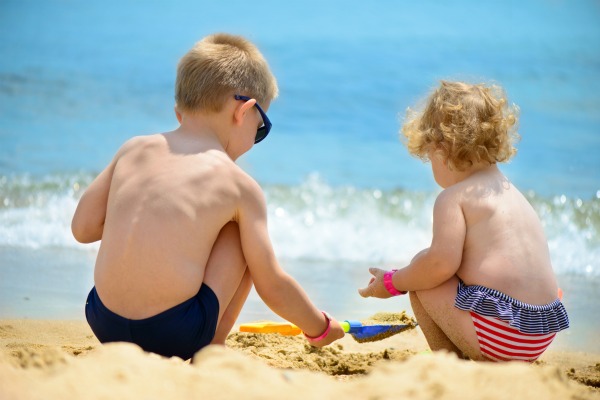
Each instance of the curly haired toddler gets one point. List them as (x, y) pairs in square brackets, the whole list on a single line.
[(485, 288)]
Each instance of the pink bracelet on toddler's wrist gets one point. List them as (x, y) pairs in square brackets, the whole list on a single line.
[(324, 334), (389, 285)]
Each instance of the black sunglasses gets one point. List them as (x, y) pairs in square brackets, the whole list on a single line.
[(263, 131)]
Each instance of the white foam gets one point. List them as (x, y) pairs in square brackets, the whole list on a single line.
[(314, 221)]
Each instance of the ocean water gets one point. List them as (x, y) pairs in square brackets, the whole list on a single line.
[(78, 78)]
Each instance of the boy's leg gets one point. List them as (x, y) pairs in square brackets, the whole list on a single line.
[(445, 326), (228, 276), (233, 310)]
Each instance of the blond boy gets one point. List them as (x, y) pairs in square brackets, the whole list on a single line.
[(183, 228), (485, 287)]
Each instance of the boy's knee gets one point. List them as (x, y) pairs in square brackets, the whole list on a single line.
[(247, 279), (230, 230), (230, 226)]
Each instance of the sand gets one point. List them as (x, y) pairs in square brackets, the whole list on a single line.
[(42, 359)]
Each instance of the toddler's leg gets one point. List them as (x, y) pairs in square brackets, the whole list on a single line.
[(436, 338), (445, 326), (228, 276)]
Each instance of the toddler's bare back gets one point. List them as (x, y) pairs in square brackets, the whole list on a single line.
[(505, 246)]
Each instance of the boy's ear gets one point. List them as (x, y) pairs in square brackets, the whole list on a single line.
[(178, 114), (241, 109)]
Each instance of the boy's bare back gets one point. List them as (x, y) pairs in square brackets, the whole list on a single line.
[(170, 196)]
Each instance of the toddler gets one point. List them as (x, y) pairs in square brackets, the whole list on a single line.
[(484, 288)]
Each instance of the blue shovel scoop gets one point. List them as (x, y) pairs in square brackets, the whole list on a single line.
[(372, 333)]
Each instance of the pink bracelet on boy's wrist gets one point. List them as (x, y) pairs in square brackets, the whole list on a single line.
[(389, 284), (324, 334)]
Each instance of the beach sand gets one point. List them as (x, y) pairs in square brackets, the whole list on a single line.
[(43, 359)]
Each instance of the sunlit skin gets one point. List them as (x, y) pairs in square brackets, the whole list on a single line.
[(484, 232), (173, 210)]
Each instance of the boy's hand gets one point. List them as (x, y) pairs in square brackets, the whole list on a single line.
[(336, 332), (375, 288)]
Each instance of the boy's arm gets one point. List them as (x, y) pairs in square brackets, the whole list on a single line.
[(88, 221), (278, 289), (436, 264)]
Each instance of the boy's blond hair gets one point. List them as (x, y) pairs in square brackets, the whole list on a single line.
[(216, 68), (466, 123)]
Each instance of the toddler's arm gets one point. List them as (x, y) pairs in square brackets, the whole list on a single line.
[(436, 264)]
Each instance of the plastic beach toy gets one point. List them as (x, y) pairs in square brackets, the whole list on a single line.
[(283, 328), (361, 333), (372, 333)]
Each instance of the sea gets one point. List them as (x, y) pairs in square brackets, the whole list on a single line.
[(78, 78)]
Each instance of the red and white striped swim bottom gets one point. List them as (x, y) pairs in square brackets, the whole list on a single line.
[(498, 341)]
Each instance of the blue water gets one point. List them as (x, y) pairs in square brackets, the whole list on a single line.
[(79, 78)]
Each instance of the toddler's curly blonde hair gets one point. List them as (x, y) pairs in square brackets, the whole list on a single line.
[(466, 123)]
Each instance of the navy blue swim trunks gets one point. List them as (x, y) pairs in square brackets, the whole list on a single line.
[(179, 331)]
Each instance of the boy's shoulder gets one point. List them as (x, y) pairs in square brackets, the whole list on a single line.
[(153, 138), (136, 142), (247, 181)]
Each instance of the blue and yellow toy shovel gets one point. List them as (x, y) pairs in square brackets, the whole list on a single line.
[(372, 333), (361, 333)]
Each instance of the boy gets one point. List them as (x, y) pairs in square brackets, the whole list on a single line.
[(183, 228), (485, 287)]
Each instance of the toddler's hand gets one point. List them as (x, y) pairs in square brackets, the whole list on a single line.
[(375, 288)]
